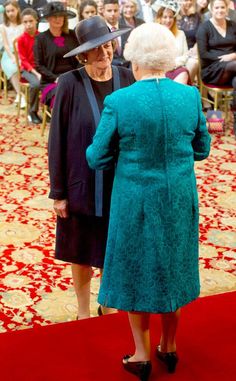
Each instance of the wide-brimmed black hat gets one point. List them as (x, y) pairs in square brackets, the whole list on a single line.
[(55, 8), (92, 33)]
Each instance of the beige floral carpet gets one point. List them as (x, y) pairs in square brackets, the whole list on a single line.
[(36, 289)]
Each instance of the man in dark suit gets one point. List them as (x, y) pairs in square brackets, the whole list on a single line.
[(146, 12), (111, 14), (35, 4)]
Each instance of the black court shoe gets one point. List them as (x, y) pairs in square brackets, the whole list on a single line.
[(169, 358), (141, 369)]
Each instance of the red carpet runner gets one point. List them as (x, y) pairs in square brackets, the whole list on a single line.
[(91, 350)]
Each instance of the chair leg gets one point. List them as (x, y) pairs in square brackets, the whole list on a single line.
[(226, 105), (44, 122), (5, 89), (216, 101), (18, 105), (27, 104)]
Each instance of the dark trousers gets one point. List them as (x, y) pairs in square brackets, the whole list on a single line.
[(34, 90)]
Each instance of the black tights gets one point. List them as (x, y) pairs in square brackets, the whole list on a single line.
[(229, 75)]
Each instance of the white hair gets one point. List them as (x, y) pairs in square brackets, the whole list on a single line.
[(151, 46)]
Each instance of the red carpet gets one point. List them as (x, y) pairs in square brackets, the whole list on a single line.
[(35, 289), (91, 350)]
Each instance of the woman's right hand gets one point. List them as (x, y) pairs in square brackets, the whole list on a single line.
[(228, 57), (61, 208)]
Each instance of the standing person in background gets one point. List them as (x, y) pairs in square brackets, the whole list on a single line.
[(25, 45), (100, 7), (11, 29), (50, 47), (34, 4), (146, 11), (111, 14), (154, 246), (81, 195), (87, 9), (128, 18), (167, 12)]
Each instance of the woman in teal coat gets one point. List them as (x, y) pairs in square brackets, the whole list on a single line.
[(154, 129)]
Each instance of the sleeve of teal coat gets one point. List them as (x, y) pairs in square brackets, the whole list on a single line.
[(102, 153), (202, 140)]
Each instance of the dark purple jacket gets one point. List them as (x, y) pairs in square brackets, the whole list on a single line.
[(71, 132)]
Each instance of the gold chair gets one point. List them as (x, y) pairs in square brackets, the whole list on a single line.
[(3, 85), (222, 95), (47, 113), (24, 85)]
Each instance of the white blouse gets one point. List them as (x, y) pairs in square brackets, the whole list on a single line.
[(182, 49), (12, 32)]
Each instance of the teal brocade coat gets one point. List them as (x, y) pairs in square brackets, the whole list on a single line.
[(154, 129)]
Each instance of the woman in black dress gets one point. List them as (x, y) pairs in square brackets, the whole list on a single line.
[(50, 47), (216, 39), (81, 195)]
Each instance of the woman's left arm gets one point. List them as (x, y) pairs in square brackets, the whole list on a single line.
[(202, 140), (6, 45), (102, 153), (182, 49)]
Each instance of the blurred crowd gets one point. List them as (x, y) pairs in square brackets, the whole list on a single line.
[(41, 57)]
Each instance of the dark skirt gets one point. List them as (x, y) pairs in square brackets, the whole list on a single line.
[(82, 240), (48, 94)]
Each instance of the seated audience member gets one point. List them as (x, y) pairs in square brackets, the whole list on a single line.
[(166, 15), (189, 20), (146, 11), (202, 9), (1, 14), (100, 7), (50, 47), (111, 15), (231, 15), (25, 45), (232, 10), (87, 9), (72, 21), (128, 11), (10, 30), (216, 39)]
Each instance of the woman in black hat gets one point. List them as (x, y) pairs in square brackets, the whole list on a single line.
[(81, 195), (50, 47)]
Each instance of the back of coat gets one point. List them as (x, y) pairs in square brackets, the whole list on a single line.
[(158, 128)]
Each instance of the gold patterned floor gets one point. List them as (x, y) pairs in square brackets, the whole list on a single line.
[(37, 289)]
